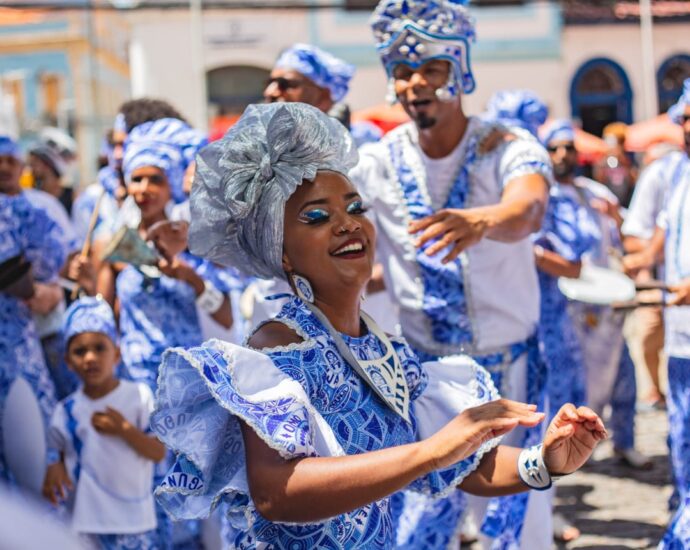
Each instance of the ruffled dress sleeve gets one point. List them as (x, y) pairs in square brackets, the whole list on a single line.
[(202, 395), (440, 390)]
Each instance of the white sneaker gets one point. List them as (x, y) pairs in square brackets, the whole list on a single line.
[(634, 459)]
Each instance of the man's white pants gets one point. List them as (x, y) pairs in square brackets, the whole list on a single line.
[(537, 532)]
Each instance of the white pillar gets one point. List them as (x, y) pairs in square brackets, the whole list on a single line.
[(199, 74), (651, 108)]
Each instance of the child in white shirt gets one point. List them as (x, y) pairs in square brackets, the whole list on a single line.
[(99, 442)]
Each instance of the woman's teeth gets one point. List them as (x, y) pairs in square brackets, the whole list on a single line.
[(354, 247)]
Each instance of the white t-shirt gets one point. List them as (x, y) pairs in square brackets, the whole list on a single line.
[(648, 197), (676, 214), (114, 491), (501, 285)]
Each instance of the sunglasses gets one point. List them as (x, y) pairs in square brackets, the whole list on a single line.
[(570, 148), (285, 84)]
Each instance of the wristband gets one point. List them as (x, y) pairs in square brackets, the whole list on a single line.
[(52, 456), (532, 469), (210, 299)]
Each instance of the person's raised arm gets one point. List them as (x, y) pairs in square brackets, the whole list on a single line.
[(569, 442), (554, 264), (518, 214), (312, 489)]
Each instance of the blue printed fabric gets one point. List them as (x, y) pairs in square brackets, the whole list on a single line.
[(569, 231), (200, 401), (155, 314), (29, 231), (444, 300), (677, 536), (623, 400), (134, 541), (505, 516)]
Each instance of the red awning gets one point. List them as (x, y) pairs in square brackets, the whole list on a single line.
[(659, 129)]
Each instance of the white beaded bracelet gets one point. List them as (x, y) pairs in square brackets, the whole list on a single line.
[(532, 469), (210, 299)]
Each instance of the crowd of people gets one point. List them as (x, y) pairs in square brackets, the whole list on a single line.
[(187, 336)]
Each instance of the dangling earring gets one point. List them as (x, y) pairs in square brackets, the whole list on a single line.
[(302, 288), (391, 96), (449, 91)]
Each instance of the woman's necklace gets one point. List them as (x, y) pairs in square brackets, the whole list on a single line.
[(384, 375)]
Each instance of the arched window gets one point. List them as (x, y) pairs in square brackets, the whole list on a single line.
[(669, 79), (600, 93), (232, 88)]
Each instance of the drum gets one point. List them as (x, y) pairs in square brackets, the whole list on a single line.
[(23, 436), (598, 285)]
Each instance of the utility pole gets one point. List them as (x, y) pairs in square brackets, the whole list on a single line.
[(651, 107)]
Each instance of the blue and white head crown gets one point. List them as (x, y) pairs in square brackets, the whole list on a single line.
[(414, 32), (89, 314), (521, 108), (168, 144), (9, 147), (676, 111), (323, 68), (557, 130)]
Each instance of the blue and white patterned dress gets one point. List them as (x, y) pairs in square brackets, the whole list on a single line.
[(155, 314), (302, 400), (29, 231), (570, 232)]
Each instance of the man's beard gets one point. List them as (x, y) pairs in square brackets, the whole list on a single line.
[(425, 122), (563, 170), (6, 183)]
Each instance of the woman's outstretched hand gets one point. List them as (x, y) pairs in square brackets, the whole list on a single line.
[(463, 435), (571, 438)]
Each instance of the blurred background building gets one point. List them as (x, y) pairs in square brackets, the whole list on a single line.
[(591, 60)]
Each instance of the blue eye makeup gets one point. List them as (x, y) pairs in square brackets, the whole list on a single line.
[(356, 207), (316, 215)]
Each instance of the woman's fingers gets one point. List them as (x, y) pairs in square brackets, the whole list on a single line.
[(557, 436)]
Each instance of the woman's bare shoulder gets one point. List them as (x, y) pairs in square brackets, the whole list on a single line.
[(274, 334)]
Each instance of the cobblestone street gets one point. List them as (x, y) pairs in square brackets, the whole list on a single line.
[(616, 507)]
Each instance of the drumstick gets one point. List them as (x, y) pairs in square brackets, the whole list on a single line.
[(634, 304), (86, 248), (651, 285)]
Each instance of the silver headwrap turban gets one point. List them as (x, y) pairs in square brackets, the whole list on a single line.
[(243, 181)]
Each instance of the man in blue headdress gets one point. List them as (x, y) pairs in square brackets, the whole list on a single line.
[(307, 74), (456, 199)]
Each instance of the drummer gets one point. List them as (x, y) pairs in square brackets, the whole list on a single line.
[(610, 372), (671, 238)]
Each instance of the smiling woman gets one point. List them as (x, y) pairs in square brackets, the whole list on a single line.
[(314, 433)]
